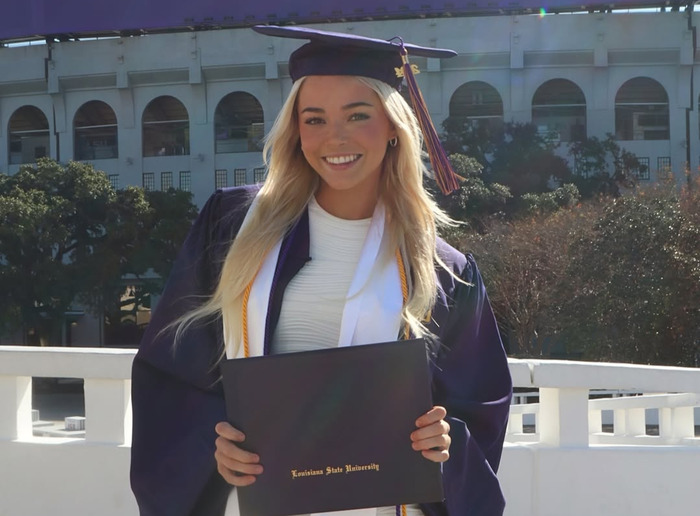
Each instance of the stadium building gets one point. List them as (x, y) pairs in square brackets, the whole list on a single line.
[(186, 103), (189, 108)]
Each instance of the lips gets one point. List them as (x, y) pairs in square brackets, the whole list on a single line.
[(342, 160)]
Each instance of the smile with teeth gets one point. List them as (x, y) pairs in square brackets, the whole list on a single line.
[(342, 160)]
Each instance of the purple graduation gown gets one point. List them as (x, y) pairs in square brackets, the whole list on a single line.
[(177, 398)]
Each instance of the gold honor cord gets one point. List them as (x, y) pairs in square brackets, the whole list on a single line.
[(246, 297), (244, 316), (404, 287)]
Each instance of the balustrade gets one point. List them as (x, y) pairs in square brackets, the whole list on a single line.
[(569, 421)]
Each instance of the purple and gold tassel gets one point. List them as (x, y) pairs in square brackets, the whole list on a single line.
[(444, 175)]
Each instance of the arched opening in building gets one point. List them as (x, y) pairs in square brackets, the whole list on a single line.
[(29, 135), (238, 123), (477, 103), (559, 111), (166, 128), (95, 132), (641, 110)]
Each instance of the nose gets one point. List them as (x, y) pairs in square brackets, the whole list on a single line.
[(338, 131)]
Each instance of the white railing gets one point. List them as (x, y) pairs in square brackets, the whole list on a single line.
[(557, 459), (107, 386), (66, 476), (571, 406)]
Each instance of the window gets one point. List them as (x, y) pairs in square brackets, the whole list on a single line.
[(559, 111), (166, 181), (185, 180), (663, 167), (166, 128), (479, 104), (149, 181), (29, 135), (95, 132), (220, 179), (239, 176), (114, 181), (259, 175), (642, 173), (581, 168), (641, 111), (238, 123)]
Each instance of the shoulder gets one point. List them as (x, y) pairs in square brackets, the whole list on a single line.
[(460, 264), (230, 201), (224, 211), (218, 223)]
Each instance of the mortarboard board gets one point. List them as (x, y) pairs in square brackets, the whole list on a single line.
[(335, 53)]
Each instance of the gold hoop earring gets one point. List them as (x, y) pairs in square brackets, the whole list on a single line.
[(394, 141)]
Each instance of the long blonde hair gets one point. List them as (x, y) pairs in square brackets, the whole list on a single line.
[(412, 215)]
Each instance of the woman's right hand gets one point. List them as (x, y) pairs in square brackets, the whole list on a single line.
[(237, 466)]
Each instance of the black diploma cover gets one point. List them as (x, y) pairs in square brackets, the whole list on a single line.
[(332, 428)]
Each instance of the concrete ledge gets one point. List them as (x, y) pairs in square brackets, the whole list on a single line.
[(57, 362)]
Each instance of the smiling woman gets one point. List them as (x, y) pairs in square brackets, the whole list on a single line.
[(344, 135), (339, 247)]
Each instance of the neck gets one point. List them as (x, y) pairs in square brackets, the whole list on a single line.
[(347, 207)]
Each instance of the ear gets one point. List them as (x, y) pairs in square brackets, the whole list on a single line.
[(393, 133)]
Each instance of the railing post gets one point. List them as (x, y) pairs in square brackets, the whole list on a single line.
[(620, 422), (15, 407), (676, 423), (108, 410), (563, 417), (515, 424), (636, 422), (630, 422), (595, 421)]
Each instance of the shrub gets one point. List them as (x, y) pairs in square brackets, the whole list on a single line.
[(610, 279)]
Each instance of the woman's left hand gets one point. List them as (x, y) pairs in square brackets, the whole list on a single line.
[(432, 438)]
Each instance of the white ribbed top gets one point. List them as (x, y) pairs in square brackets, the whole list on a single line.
[(314, 300)]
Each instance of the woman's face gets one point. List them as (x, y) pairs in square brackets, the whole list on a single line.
[(344, 134)]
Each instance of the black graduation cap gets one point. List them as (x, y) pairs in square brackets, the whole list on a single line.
[(335, 53)]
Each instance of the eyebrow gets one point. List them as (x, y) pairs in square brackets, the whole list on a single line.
[(352, 105)]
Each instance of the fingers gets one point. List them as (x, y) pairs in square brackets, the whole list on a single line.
[(432, 416), (436, 455), (432, 438), (226, 430), (236, 465)]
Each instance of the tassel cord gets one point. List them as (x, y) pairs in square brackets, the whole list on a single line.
[(444, 175)]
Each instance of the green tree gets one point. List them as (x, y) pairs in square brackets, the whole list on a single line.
[(138, 255), (477, 140), (637, 291), (565, 196), (524, 261), (475, 200), (171, 215), (52, 217), (525, 162), (127, 227), (603, 167), (518, 156), (67, 236), (608, 279)]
